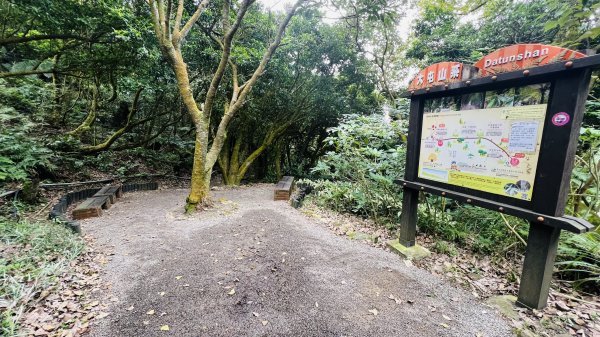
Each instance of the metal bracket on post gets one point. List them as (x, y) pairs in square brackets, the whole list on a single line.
[(542, 244)]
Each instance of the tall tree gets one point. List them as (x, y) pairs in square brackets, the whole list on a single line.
[(171, 33)]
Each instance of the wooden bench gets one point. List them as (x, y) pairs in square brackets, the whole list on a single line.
[(283, 189), (91, 207), (113, 192)]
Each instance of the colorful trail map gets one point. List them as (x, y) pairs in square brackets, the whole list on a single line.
[(493, 150)]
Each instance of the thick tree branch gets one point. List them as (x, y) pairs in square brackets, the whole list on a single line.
[(178, 16), (128, 126), (227, 41), (179, 36), (247, 87), (30, 38), (27, 72)]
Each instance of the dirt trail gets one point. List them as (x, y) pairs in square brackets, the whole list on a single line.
[(255, 267)]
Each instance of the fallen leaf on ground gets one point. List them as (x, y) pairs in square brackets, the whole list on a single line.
[(164, 328), (231, 292), (397, 300), (102, 315), (374, 311), (178, 277), (265, 322), (444, 325), (150, 312), (48, 327)]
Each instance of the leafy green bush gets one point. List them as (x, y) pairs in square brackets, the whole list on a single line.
[(357, 175)]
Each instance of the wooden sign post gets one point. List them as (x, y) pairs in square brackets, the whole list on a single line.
[(501, 135)]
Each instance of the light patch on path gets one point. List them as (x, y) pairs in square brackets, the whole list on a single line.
[(255, 267)]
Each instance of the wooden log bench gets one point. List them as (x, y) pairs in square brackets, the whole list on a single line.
[(91, 207), (113, 192), (283, 189), (103, 199)]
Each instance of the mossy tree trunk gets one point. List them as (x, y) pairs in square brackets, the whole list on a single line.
[(277, 161), (171, 33), (233, 167), (117, 134), (91, 116)]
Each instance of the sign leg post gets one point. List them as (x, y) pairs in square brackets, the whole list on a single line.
[(542, 244), (408, 218)]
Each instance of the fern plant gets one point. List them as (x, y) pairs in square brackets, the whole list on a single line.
[(580, 258)]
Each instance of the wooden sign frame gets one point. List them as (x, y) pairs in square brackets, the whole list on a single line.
[(569, 86)]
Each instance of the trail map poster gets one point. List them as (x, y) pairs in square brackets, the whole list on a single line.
[(493, 150)]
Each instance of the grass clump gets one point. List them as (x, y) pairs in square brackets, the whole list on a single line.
[(445, 247), (32, 257)]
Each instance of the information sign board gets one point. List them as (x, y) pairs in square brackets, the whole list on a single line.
[(503, 137), (492, 150)]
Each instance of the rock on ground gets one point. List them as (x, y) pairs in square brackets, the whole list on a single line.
[(255, 267)]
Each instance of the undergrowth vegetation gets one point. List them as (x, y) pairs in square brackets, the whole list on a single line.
[(32, 257), (357, 175), (367, 153)]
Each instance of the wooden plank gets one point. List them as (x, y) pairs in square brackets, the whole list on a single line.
[(566, 223), (559, 144), (514, 78), (283, 189), (106, 191), (409, 217), (91, 207), (542, 244), (113, 192), (63, 185)]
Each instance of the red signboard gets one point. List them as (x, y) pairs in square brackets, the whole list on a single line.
[(522, 56), (436, 74)]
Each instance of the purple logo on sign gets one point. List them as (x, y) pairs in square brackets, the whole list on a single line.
[(561, 118)]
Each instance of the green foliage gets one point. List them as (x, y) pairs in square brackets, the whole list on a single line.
[(575, 23), (439, 36), (443, 34), (579, 258), (20, 154), (33, 256), (479, 229), (357, 175)]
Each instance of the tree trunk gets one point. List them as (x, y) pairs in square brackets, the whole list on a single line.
[(91, 116), (200, 184), (278, 161)]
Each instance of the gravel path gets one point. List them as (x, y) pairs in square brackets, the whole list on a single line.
[(255, 267)]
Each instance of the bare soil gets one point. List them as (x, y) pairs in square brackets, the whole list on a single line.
[(251, 266)]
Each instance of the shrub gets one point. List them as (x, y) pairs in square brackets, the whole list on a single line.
[(357, 174)]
